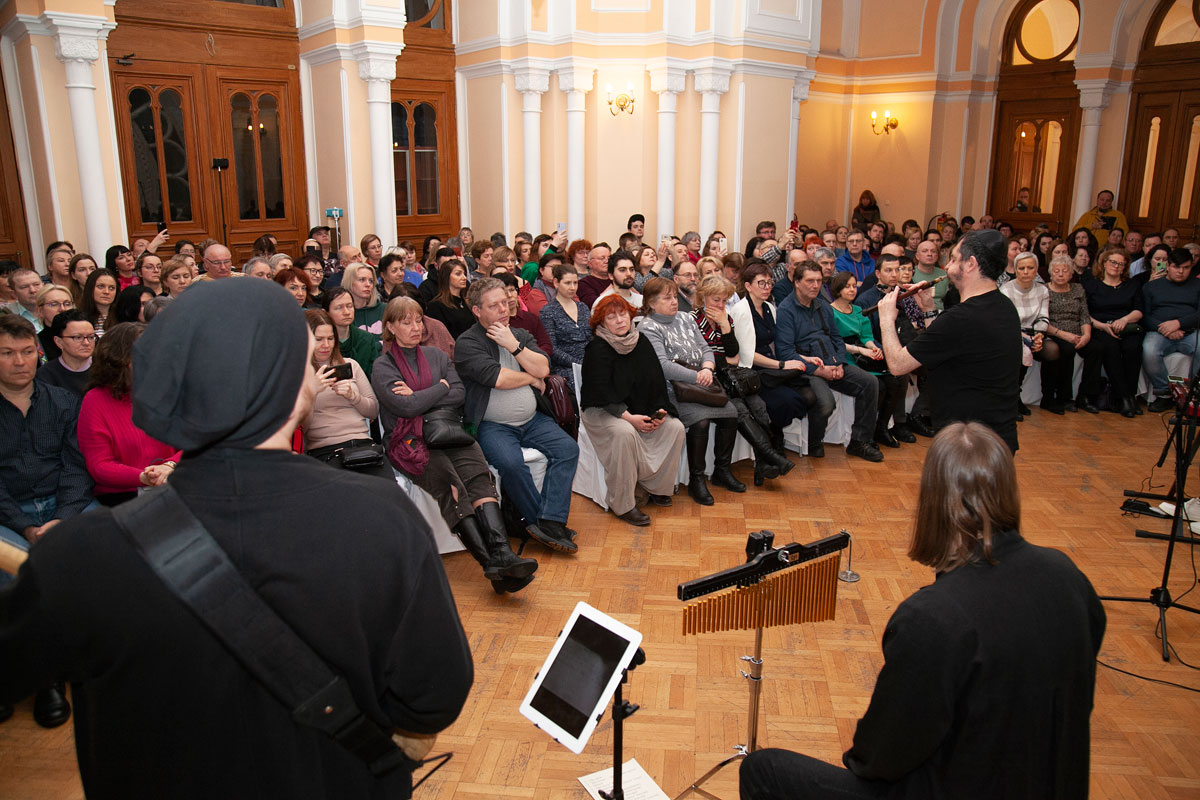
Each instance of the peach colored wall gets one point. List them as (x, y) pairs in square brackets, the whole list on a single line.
[(485, 155), (764, 160), (889, 28), (480, 22), (821, 160)]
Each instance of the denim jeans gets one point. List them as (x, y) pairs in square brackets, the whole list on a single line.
[(501, 445), (859, 384), (41, 510), (1154, 347)]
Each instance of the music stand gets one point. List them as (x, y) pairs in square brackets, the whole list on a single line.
[(1185, 435), (776, 586)]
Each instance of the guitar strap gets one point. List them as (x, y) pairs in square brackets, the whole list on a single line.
[(184, 555)]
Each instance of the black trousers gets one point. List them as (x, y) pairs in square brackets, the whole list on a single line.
[(1057, 373), (1121, 359), (783, 775)]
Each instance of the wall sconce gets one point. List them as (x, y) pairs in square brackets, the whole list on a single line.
[(620, 102), (890, 123)]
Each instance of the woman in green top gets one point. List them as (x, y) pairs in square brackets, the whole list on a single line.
[(352, 342), (853, 326), (360, 280), (863, 351)]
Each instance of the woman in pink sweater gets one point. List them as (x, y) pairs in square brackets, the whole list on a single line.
[(120, 457)]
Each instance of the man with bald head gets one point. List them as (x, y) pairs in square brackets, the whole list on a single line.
[(218, 263), (597, 280)]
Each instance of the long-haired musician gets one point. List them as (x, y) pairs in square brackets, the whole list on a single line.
[(986, 690)]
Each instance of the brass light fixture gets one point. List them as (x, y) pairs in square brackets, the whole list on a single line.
[(620, 102), (889, 124)]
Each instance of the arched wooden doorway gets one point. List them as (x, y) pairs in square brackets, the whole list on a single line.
[(1037, 117), (1159, 179)]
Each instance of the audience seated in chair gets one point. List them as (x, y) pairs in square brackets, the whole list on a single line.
[(807, 332), (627, 412), (1171, 321), (411, 380), (502, 370)]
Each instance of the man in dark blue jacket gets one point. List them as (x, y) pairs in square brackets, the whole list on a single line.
[(1171, 319), (807, 331)]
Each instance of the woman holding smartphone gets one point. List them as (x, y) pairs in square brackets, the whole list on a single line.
[(632, 423), (335, 431)]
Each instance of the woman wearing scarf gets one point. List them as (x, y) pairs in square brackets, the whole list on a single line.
[(632, 423), (677, 341), (410, 381)]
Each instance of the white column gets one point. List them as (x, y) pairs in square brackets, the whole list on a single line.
[(378, 70), (667, 84), (711, 84), (799, 95), (576, 82), (1093, 99), (532, 82), (77, 46)]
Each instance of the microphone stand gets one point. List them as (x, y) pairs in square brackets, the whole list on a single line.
[(622, 709)]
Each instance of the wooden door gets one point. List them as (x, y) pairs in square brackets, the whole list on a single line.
[(258, 130), (164, 158), (1161, 189), (424, 152), (14, 235), (1034, 162)]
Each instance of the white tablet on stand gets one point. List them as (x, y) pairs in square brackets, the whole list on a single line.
[(579, 676)]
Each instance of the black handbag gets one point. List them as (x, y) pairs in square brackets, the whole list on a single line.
[(773, 378), (362, 456), (1132, 329), (740, 381), (442, 429)]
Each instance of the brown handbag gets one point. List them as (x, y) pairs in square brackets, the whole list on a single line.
[(711, 395)]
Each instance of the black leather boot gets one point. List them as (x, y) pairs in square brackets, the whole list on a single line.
[(495, 539), (470, 532), (767, 458), (50, 706), (726, 437), (697, 454)]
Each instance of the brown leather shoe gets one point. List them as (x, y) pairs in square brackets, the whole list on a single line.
[(634, 516)]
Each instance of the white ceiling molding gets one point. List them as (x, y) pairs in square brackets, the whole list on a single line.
[(797, 24), (632, 40), (328, 54), (768, 69), (373, 16)]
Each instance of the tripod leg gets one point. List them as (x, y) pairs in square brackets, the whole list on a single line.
[(695, 787), (1162, 622)]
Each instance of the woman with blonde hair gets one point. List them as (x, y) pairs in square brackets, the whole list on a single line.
[(360, 281), (754, 422), (411, 381)]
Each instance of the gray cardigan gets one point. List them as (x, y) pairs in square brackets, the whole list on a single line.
[(392, 406), (676, 337)]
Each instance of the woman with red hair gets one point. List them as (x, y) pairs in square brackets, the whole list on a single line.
[(632, 423)]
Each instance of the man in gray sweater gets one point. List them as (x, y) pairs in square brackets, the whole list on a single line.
[(502, 370)]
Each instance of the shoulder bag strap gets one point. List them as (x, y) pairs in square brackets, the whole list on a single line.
[(189, 561)]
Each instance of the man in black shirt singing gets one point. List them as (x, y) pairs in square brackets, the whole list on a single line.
[(972, 352)]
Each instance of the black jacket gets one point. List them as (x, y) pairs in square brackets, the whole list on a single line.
[(163, 710), (986, 690)]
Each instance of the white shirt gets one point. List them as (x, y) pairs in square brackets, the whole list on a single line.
[(634, 298)]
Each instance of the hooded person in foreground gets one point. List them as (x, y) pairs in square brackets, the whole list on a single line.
[(163, 709)]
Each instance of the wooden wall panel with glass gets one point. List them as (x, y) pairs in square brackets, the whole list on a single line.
[(190, 86), (14, 233), (1159, 175), (1037, 117)]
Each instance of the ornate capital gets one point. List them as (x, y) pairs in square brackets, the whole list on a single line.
[(76, 36), (69, 47), (800, 86), (376, 63), (576, 79), (712, 80), (1094, 93), (669, 79), (532, 79)]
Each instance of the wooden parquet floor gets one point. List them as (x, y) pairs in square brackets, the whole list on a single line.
[(1145, 736)]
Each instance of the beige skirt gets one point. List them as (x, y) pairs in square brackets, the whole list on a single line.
[(630, 458)]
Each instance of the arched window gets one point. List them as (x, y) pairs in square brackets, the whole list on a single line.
[(1037, 118)]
